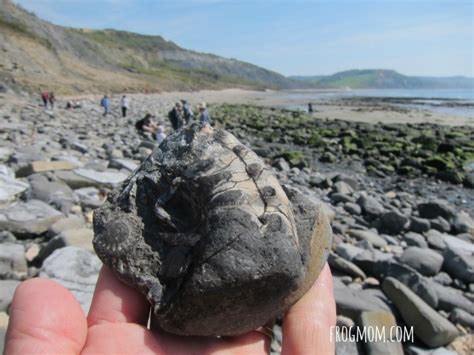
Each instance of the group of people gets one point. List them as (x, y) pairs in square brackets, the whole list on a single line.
[(182, 114), (124, 105), (48, 98)]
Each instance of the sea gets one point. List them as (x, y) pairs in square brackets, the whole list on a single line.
[(457, 102)]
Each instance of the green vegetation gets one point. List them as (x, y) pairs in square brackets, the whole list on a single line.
[(23, 30)]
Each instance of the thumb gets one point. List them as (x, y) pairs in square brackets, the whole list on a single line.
[(45, 318)]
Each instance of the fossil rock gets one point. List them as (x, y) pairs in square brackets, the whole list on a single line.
[(208, 234)]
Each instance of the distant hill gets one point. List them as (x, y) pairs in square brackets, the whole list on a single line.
[(35, 54), (383, 79)]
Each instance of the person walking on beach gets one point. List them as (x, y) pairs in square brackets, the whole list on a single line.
[(125, 105), (52, 100), (204, 119), (187, 112), (310, 108), (175, 116), (105, 103), (45, 99)]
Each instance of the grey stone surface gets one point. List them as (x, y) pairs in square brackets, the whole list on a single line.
[(10, 187), (419, 225), (370, 206), (7, 289), (348, 251), (463, 223), (436, 208), (76, 269), (208, 234), (459, 264), (423, 260), (345, 266), (370, 236), (450, 298), (415, 239), (428, 325), (28, 218), (392, 222), (435, 239), (12, 260), (384, 322)]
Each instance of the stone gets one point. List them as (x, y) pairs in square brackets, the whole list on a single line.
[(392, 222), (415, 239), (460, 316), (338, 197), (126, 164), (459, 264), (109, 178), (419, 225), (463, 223), (463, 345), (42, 166), (32, 252), (440, 224), (54, 192), (80, 238), (12, 260), (342, 188), (450, 298), (436, 208), (376, 240), (7, 289), (342, 321), (443, 279), (459, 245), (203, 227), (382, 321), (348, 251), (435, 239), (370, 206), (75, 181), (64, 224), (428, 325), (281, 164), (352, 208), (75, 269), (423, 260), (351, 303), (344, 266), (28, 218), (10, 187)]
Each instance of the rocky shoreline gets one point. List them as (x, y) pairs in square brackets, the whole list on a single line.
[(400, 198)]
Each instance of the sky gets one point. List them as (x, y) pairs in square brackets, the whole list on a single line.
[(295, 37)]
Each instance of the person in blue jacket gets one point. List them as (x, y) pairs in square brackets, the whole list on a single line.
[(105, 103)]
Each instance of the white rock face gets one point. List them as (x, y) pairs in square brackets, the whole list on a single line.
[(10, 187)]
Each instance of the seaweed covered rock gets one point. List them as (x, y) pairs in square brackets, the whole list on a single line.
[(209, 235)]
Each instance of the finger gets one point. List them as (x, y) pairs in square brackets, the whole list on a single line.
[(307, 324), (45, 318), (115, 302)]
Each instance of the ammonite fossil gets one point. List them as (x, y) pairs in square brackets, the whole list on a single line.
[(205, 230)]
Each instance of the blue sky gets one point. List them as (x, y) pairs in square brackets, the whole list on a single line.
[(295, 37)]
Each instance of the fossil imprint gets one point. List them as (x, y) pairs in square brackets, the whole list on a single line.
[(207, 233)]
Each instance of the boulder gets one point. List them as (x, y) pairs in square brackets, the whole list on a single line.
[(440, 224), (415, 239), (10, 187), (370, 236), (419, 225), (459, 264), (7, 289), (383, 322), (12, 260), (370, 206), (392, 222), (76, 269), (450, 298), (463, 223), (430, 327), (342, 188), (423, 260), (28, 218), (436, 208)]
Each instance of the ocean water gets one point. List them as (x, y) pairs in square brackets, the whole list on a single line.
[(458, 102)]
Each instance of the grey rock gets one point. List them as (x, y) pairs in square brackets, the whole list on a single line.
[(10, 187), (109, 178), (373, 238), (352, 208), (415, 239), (80, 238), (344, 266), (348, 251), (55, 193), (7, 289), (370, 206), (463, 223), (419, 225), (342, 188), (423, 260), (339, 197), (460, 316), (435, 239), (191, 230), (440, 224), (392, 222), (28, 218), (459, 264), (351, 302), (428, 325), (443, 279), (281, 164), (76, 269), (436, 208), (89, 197), (126, 164), (382, 321), (418, 350), (64, 224), (459, 245), (12, 260), (450, 298)]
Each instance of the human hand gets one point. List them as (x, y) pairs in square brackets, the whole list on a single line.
[(46, 318)]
